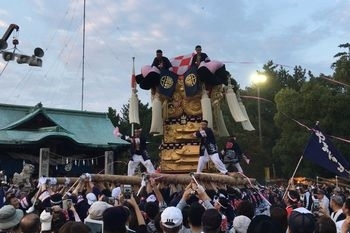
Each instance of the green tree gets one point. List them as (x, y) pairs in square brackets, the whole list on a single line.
[(342, 65), (277, 78), (313, 103), (112, 115)]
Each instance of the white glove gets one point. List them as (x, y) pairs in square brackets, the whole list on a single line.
[(88, 176), (66, 181)]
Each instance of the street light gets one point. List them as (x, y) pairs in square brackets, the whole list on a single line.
[(258, 79)]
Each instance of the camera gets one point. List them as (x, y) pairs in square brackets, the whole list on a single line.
[(111, 200), (316, 205), (194, 192), (127, 190), (69, 203)]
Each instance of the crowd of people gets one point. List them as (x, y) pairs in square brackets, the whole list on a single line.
[(89, 206)]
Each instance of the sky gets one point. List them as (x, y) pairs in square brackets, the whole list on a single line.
[(243, 34)]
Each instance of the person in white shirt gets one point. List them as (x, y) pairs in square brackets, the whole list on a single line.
[(336, 204), (323, 203)]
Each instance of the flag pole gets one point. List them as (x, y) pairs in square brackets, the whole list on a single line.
[(133, 102), (336, 181), (295, 170), (133, 89)]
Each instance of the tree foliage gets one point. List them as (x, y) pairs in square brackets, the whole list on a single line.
[(342, 65)]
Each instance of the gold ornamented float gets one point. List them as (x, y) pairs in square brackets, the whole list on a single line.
[(181, 97)]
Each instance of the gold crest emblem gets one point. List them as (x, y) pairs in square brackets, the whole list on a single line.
[(166, 82), (190, 80)]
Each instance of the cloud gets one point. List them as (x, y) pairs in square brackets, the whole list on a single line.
[(245, 34)]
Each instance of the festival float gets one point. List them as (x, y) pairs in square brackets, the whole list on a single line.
[(181, 97)]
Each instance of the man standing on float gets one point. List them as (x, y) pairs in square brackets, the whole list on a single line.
[(208, 148), (139, 153)]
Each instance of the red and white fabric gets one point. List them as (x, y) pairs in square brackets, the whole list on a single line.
[(145, 70), (211, 65), (181, 63)]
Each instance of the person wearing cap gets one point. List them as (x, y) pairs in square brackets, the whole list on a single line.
[(10, 218), (208, 148), (160, 61), (139, 153), (45, 219), (199, 57), (240, 224), (96, 210), (301, 220), (171, 220), (91, 198)]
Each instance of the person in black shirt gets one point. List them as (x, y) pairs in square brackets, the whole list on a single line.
[(139, 153), (199, 57), (232, 154), (160, 61), (208, 148)]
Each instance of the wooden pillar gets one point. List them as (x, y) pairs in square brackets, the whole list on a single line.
[(109, 162), (44, 162)]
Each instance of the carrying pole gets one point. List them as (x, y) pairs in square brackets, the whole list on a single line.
[(295, 170)]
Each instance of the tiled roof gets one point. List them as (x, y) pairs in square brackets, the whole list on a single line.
[(28, 124)]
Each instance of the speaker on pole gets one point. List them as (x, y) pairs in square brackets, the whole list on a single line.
[(21, 59), (8, 56), (38, 52)]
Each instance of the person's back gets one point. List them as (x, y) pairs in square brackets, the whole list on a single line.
[(279, 215), (115, 219), (325, 224), (74, 227), (30, 223), (301, 220), (261, 224), (152, 210), (245, 208), (195, 217), (211, 221)]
